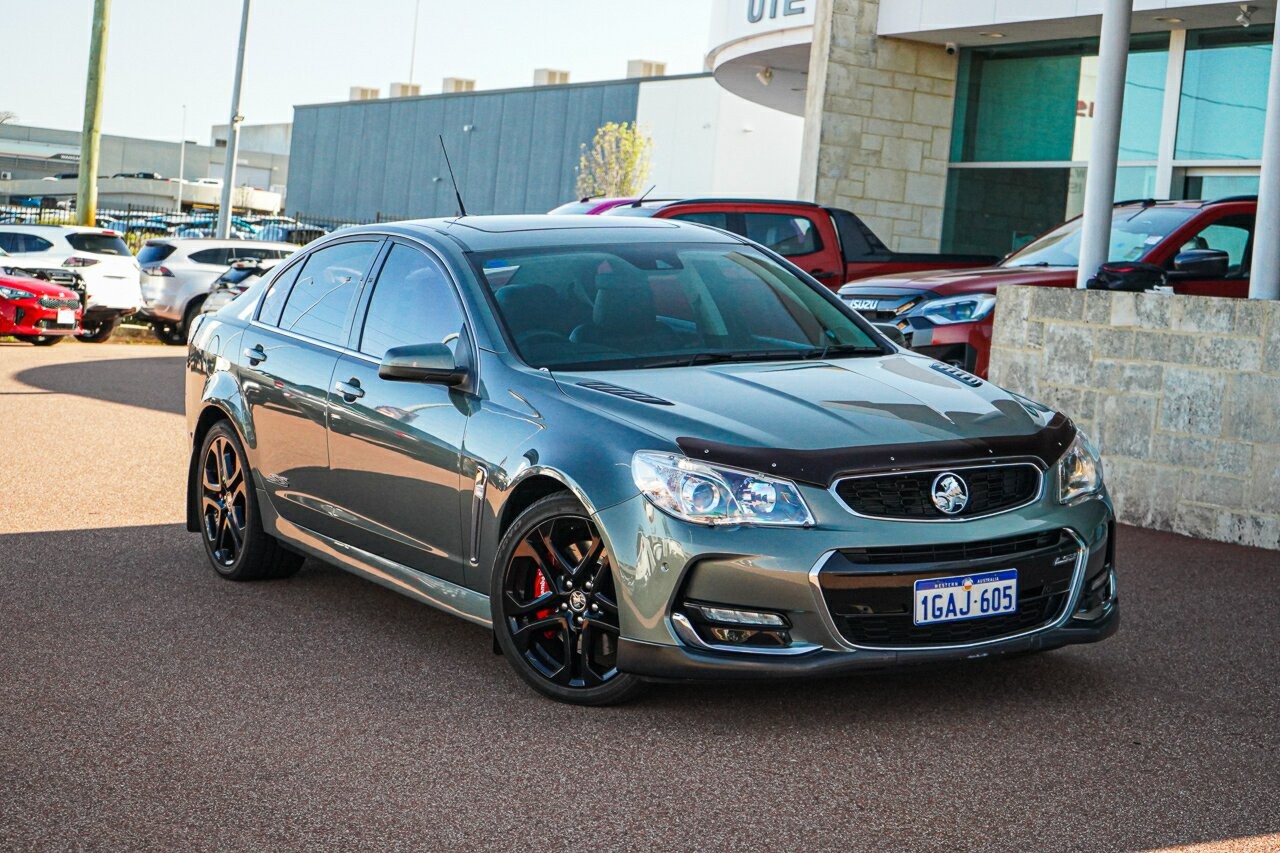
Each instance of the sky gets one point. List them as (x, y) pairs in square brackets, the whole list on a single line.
[(162, 54)]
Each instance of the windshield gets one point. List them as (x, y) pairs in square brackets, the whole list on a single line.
[(663, 305), (1133, 234)]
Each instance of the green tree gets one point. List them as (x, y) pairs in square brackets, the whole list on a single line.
[(617, 162)]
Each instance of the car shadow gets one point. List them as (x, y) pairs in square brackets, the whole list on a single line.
[(148, 383), (1013, 754)]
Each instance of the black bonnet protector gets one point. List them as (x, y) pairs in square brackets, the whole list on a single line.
[(822, 467)]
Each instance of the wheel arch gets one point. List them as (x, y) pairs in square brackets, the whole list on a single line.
[(527, 491)]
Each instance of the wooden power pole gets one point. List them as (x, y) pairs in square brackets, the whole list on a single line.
[(87, 199)]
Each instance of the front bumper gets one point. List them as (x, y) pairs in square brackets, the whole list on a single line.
[(662, 563), (28, 317)]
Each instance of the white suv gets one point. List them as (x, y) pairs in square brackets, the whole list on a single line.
[(98, 256), (177, 274)]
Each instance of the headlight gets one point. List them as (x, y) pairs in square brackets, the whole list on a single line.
[(958, 309), (15, 293), (709, 494), (1079, 470)]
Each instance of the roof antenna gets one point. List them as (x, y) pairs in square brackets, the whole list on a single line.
[(462, 208), (640, 200)]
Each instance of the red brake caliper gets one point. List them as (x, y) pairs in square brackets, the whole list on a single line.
[(541, 588)]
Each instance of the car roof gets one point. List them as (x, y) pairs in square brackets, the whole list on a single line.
[(66, 229), (489, 233)]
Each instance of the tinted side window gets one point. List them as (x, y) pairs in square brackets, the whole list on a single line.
[(277, 293), (715, 219), (412, 303), (211, 256), (317, 305), (786, 234), (17, 243), (250, 253)]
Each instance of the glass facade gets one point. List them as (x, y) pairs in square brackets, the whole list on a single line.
[(1024, 120)]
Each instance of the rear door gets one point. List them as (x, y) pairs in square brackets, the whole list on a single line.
[(286, 366), (395, 448)]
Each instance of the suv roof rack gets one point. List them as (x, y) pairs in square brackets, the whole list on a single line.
[(1228, 198)]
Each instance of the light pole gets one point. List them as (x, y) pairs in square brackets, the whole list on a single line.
[(233, 132), (182, 157), (91, 133)]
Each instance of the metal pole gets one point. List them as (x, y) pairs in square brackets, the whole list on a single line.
[(233, 132), (90, 134), (413, 44), (1264, 278), (1104, 148), (182, 156)]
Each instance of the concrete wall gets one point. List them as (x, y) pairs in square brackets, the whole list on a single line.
[(707, 141), (1181, 393), (878, 125)]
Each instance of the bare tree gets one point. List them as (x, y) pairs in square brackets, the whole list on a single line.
[(7, 116)]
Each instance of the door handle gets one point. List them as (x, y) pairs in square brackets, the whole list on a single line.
[(255, 354), (350, 391)]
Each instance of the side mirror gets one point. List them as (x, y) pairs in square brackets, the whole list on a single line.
[(1201, 263), (893, 333), (1128, 276), (431, 363)]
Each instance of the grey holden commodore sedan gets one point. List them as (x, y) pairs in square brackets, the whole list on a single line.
[(636, 449)]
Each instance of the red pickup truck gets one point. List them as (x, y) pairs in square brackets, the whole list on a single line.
[(832, 245), (1202, 247)]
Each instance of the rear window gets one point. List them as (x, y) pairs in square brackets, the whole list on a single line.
[(98, 244), (154, 253)]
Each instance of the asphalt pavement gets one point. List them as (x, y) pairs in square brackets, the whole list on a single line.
[(147, 704)]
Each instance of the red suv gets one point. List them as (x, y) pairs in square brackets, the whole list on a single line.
[(1200, 247), (36, 311)]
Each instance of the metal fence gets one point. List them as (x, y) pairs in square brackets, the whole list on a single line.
[(138, 224)]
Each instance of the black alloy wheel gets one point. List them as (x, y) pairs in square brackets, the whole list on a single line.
[(555, 609), (230, 525), (224, 502)]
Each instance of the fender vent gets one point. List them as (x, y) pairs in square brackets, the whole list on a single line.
[(626, 393), (957, 374)]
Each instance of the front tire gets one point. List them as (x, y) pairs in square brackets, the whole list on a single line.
[(554, 606), (41, 340), (230, 526)]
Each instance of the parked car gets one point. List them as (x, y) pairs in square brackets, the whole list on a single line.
[(37, 311), (98, 256), (238, 278), (832, 245), (177, 274), (636, 449), (1202, 247)]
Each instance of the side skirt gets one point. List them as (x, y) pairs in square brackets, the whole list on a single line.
[(441, 594)]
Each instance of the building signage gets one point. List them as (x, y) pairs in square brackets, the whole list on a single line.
[(758, 10)]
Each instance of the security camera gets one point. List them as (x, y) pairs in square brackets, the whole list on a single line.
[(951, 48)]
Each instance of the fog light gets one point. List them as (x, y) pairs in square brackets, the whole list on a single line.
[(734, 616), (732, 635)]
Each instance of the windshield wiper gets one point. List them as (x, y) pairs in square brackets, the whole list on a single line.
[(721, 358), (842, 349)]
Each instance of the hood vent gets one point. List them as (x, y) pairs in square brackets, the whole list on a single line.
[(957, 374), (626, 393)]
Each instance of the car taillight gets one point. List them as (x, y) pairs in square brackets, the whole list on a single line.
[(158, 270), (79, 262)]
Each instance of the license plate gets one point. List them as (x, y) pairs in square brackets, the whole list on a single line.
[(66, 317), (863, 304), (966, 597)]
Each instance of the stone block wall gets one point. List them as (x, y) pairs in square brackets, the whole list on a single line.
[(878, 125), (1181, 394)]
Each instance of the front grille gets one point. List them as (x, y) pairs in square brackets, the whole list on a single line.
[(910, 495), (876, 609), (54, 302)]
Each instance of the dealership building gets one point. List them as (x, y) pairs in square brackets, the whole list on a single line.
[(966, 124)]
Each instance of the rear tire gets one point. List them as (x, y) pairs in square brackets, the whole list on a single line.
[(230, 526), (98, 332), (554, 606), (169, 333)]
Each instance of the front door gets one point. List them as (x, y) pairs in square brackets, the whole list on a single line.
[(395, 448), (1232, 234)]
